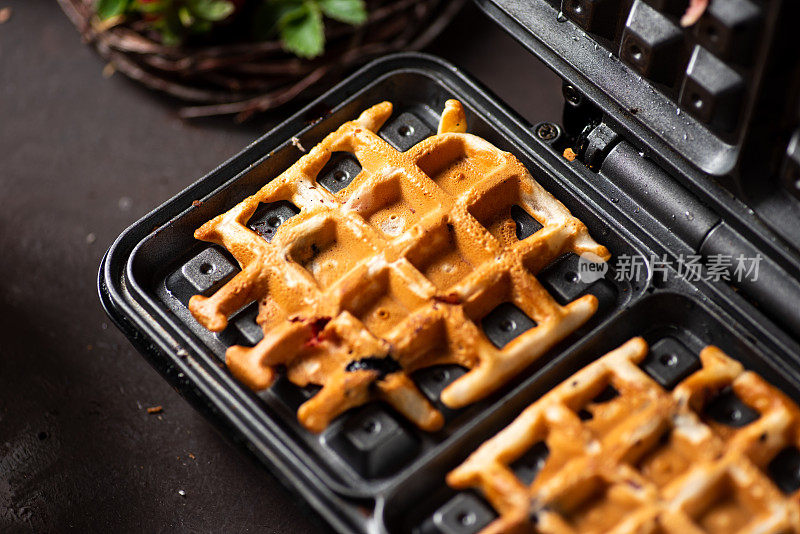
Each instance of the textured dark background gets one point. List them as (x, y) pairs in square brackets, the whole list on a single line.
[(81, 158)]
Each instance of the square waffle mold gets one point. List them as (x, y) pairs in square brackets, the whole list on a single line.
[(416, 262), (733, 433), (370, 470)]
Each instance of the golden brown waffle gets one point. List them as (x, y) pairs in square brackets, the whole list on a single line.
[(392, 273), (648, 460)]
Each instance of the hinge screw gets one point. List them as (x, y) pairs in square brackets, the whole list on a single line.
[(547, 131)]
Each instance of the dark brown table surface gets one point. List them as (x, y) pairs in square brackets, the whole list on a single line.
[(81, 158)]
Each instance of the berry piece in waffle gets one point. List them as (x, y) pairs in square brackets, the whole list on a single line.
[(394, 271), (624, 454)]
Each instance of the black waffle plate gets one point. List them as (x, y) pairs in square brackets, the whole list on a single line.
[(370, 470)]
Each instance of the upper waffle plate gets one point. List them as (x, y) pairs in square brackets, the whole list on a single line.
[(389, 264)]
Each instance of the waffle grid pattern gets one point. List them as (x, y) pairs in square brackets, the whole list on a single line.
[(394, 272), (705, 68), (626, 455)]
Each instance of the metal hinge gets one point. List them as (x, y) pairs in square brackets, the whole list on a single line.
[(775, 291)]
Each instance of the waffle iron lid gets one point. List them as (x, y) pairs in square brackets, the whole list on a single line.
[(688, 93)]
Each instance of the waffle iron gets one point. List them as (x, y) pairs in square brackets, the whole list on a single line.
[(688, 145)]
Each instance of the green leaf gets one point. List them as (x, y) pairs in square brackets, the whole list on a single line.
[(148, 7), (213, 10), (349, 11), (302, 31), (187, 19), (269, 15), (110, 8)]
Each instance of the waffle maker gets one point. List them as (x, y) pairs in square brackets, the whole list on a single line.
[(687, 143)]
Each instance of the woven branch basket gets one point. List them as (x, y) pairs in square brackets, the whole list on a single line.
[(249, 77)]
